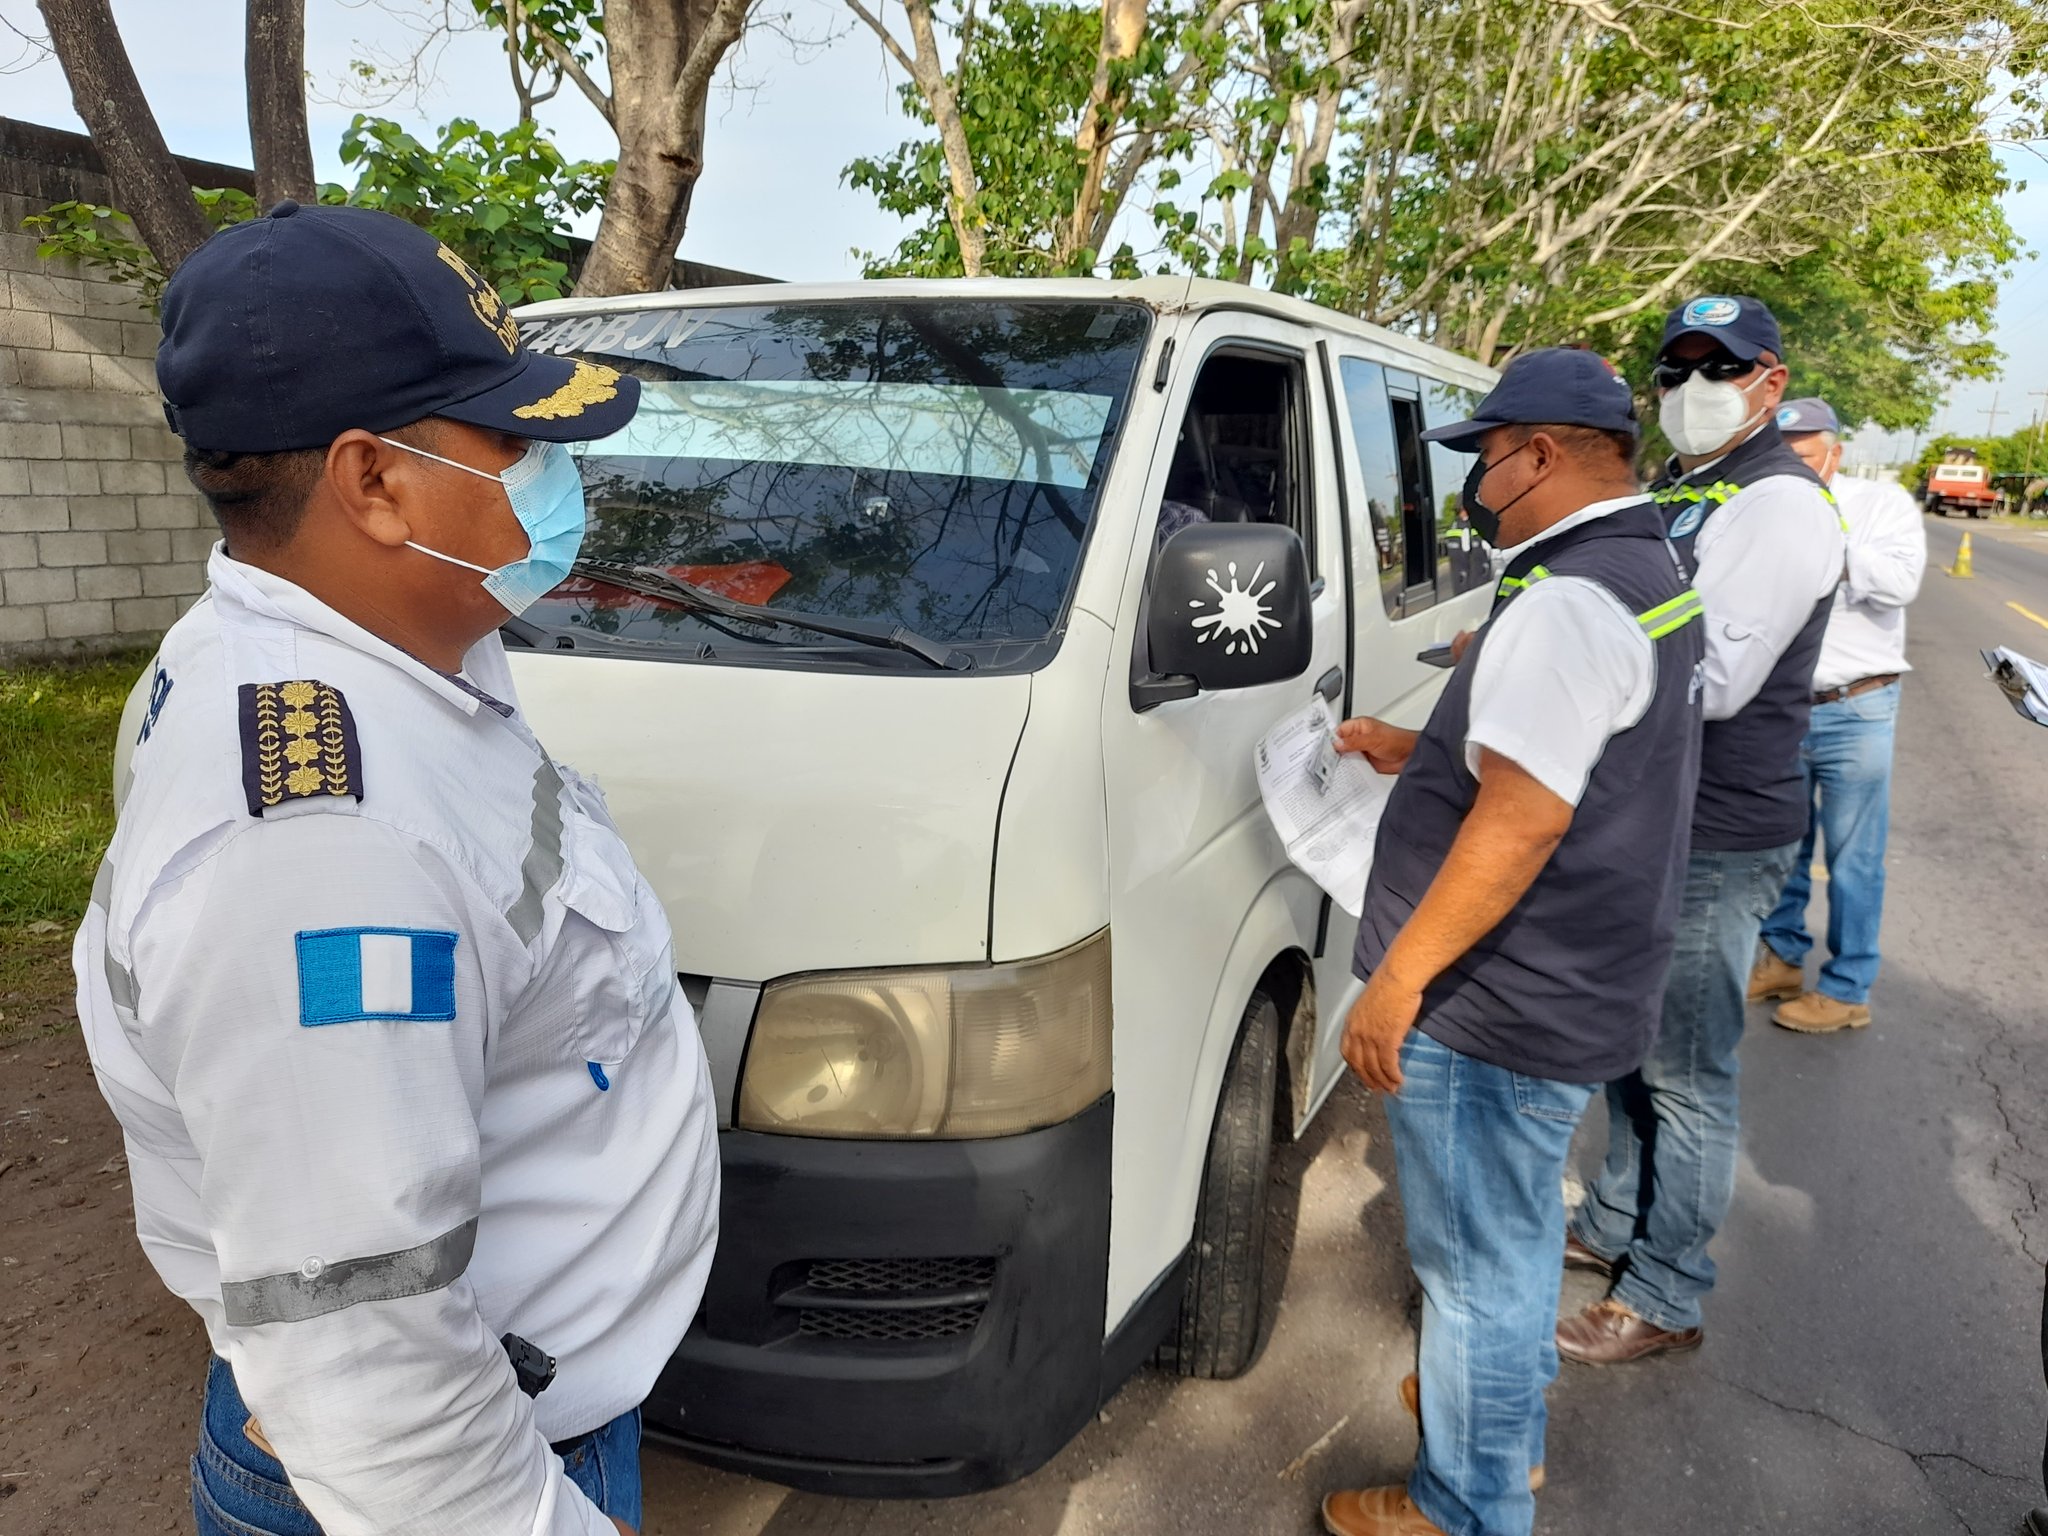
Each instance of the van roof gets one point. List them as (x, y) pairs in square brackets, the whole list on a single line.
[(1165, 295)]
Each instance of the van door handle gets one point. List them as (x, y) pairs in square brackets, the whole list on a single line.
[(1331, 684)]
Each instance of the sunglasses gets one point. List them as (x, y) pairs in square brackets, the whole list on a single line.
[(1719, 367)]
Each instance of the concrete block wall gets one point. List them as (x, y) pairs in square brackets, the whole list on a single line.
[(103, 542)]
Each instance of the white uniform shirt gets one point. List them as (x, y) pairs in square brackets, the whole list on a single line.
[(1760, 564), (1887, 557), (1564, 668), (396, 1075)]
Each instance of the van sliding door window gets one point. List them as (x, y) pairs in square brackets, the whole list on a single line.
[(1464, 560), (1379, 474)]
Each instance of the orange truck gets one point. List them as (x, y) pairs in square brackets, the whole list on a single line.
[(1960, 488)]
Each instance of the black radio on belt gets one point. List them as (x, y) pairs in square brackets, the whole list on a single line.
[(534, 1366)]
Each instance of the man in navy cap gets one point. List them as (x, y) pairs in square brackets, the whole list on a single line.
[(1847, 754), (1522, 902), (1764, 543), (417, 1118)]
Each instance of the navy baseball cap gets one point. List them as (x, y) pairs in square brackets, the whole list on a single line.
[(1556, 387), (286, 331), (1812, 414), (1743, 325)]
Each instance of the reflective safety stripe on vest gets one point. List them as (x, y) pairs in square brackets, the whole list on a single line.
[(1721, 490), (1668, 618), (1717, 493), (1510, 584), (1665, 619)]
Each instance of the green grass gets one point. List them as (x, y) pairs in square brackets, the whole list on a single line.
[(56, 785)]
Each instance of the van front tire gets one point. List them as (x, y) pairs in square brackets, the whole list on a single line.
[(1217, 1332)]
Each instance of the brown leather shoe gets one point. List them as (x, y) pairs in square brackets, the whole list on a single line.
[(1411, 1399), (1774, 979), (1376, 1512), (1578, 1256), (1608, 1333), (1816, 1013)]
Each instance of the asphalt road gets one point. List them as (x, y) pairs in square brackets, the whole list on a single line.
[(1872, 1361)]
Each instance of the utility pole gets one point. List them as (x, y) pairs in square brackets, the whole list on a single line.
[(2040, 415), (1991, 416)]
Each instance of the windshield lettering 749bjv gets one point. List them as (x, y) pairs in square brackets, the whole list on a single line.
[(928, 464)]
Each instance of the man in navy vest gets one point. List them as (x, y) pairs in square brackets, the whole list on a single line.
[(1521, 907), (1765, 545)]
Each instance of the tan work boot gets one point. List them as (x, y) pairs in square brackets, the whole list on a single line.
[(1411, 1399), (1774, 978), (1815, 1013), (1376, 1512)]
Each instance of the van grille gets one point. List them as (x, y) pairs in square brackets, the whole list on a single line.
[(890, 1277), (893, 1300), (890, 1327)]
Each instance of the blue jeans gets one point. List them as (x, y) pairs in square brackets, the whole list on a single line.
[(1848, 761), (1480, 1153), (1673, 1124), (239, 1489)]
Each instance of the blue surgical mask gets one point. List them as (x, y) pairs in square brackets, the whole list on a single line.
[(546, 492)]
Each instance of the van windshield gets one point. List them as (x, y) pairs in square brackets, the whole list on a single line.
[(926, 463)]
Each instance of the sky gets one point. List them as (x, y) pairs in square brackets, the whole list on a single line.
[(785, 122)]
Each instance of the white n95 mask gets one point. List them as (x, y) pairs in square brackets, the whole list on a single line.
[(1702, 414), (546, 492)]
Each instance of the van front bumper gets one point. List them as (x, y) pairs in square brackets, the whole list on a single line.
[(898, 1319)]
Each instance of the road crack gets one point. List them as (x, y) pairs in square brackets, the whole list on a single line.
[(2001, 1039), (1920, 1459)]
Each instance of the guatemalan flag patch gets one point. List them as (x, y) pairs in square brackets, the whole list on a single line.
[(346, 974)]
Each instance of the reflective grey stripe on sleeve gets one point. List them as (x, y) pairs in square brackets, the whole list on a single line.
[(542, 866), (315, 1289), (120, 983)]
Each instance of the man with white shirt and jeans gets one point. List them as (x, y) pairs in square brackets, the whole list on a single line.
[(1848, 750), (1764, 543), (1521, 907)]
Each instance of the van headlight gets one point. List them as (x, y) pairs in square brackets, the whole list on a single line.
[(955, 1051)]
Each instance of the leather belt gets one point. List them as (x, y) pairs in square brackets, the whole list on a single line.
[(1850, 690)]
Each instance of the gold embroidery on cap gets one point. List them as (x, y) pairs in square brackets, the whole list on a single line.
[(484, 301), (591, 384)]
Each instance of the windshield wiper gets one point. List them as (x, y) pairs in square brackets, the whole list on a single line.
[(652, 581), (558, 637)]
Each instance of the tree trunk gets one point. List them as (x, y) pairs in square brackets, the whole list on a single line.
[(274, 62), (963, 198), (663, 56), (1123, 29), (148, 185)]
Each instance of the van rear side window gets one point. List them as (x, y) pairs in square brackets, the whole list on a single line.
[(1379, 473)]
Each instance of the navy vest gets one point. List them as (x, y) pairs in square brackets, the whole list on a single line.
[(1752, 789), (1570, 984)]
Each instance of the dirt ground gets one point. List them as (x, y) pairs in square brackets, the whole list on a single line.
[(100, 1367)]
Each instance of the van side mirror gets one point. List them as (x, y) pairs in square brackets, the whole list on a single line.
[(1229, 609)]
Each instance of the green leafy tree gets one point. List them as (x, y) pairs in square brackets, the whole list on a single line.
[(501, 201), (1501, 174)]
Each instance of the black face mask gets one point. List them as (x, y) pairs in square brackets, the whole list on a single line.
[(1485, 519)]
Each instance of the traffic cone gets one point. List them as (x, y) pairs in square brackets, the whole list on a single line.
[(1962, 565)]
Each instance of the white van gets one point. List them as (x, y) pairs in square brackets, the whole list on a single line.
[(924, 637), (893, 657)]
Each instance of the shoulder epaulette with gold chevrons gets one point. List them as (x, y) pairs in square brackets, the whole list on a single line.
[(298, 743)]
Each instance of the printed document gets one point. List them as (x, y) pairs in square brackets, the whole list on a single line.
[(2023, 681), (1325, 804)]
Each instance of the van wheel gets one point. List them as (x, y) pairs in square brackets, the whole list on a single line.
[(1217, 1332)]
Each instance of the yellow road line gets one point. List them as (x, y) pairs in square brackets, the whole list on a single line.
[(2028, 613)]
